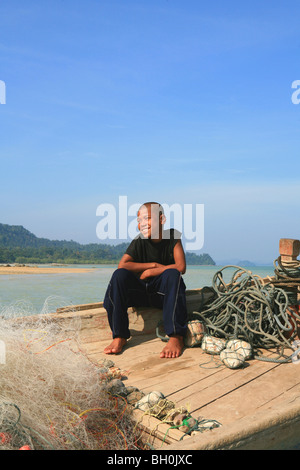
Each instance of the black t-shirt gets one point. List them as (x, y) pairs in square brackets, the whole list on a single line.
[(143, 250)]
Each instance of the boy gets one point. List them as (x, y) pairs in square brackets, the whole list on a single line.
[(149, 274)]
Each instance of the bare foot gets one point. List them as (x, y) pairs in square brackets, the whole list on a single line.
[(116, 346), (173, 348)]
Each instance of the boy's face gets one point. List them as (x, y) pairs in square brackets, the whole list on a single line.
[(150, 222)]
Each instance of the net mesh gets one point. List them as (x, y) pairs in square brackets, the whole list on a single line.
[(51, 396)]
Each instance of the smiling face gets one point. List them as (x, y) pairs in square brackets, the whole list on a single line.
[(150, 221)]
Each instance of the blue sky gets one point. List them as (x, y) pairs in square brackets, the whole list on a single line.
[(169, 100)]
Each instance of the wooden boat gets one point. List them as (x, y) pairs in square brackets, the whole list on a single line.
[(257, 407)]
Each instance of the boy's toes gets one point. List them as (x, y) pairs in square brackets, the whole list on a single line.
[(174, 347)]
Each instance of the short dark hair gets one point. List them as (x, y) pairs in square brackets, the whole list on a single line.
[(150, 204)]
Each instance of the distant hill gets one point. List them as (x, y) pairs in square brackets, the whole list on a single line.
[(236, 262), (19, 245), (12, 236), (203, 259), (246, 263)]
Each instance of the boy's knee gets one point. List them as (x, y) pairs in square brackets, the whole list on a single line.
[(172, 274), (120, 274), (173, 277), (117, 282)]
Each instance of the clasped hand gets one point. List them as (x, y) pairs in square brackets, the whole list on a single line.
[(153, 271)]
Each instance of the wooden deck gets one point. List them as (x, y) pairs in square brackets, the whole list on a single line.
[(257, 406)]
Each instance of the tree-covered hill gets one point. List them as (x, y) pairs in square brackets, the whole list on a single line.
[(12, 236), (18, 245)]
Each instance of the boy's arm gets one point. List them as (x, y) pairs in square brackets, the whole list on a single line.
[(128, 262), (154, 269), (180, 263)]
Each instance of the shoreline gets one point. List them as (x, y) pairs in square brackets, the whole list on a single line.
[(37, 270)]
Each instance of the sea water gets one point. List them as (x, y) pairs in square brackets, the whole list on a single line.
[(33, 292)]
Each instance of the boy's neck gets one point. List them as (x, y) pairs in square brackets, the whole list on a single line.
[(156, 240)]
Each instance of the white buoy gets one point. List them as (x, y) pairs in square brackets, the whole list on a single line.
[(195, 333), (212, 345), (241, 347), (231, 359), (148, 401)]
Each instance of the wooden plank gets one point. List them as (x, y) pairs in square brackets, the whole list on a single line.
[(149, 371), (282, 383), (172, 377), (263, 393), (215, 393), (211, 388), (78, 308), (182, 380)]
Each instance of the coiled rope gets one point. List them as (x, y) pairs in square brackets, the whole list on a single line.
[(287, 276), (250, 309), (287, 270)]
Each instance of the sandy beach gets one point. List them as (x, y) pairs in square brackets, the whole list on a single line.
[(40, 270)]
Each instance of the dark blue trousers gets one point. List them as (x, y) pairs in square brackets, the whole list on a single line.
[(166, 291)]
